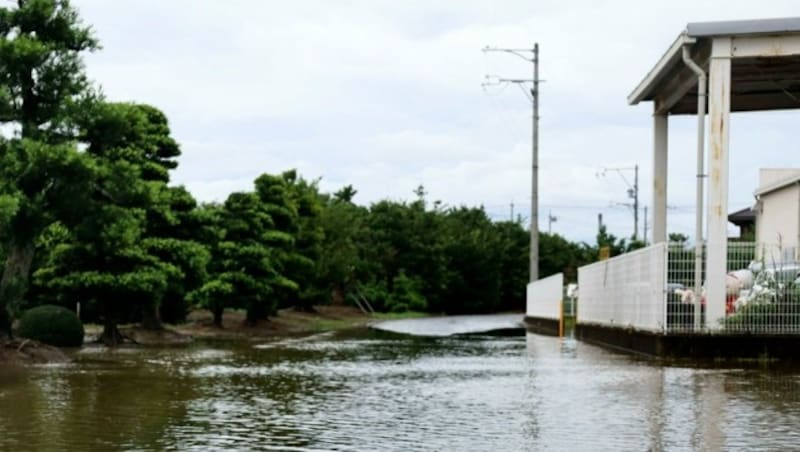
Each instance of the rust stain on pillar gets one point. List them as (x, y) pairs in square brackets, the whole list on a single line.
[(718, 124)]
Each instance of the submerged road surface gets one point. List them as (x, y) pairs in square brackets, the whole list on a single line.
[(453, 325)]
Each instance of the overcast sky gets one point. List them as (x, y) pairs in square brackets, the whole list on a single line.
[(386, 95)]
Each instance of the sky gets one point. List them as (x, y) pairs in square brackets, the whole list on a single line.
[(386, 96)]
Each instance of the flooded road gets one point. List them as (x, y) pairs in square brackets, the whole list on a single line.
[(373, 390), (453, 325)]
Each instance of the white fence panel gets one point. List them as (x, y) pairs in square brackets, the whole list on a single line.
[(544, 297), (626, 290)]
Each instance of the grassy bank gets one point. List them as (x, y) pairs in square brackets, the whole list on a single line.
[(199, 324), (288, 322)]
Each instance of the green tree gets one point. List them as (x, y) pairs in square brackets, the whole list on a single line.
[(248, 262), (137, 133), (514, 248), (307, 246), (406, 295), (140, 135), (473, 262), (215, 292), (341, 265), (42, 85), (276, 199), (606, 239), (173, 236), (126, 255), (409, 237), (345, 194), (559, 255), (678, 238), (43, 183), (106, 263)]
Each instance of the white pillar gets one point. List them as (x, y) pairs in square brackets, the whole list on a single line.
[(717, 213), (660, 122)]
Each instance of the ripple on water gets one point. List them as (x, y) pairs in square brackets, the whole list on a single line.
[(390, 393)]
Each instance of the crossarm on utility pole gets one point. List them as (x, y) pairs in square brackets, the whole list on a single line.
[(534, 99)]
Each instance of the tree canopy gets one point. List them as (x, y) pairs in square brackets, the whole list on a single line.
[(89, 217), (42, 90)]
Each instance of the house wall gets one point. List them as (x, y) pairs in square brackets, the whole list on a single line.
[(777, 217)]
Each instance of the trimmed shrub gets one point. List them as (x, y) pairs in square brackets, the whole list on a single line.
[(52, 325)]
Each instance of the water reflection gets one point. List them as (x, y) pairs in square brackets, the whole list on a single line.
[(91, 406), (616, 399), (383, 391)]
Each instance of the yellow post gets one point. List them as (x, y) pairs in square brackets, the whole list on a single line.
[(561, 320)]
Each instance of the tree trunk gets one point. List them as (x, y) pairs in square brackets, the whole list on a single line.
[(151, 318), (257, 310), (108, 311), (337, 295), (252, 316), (111, 335), (14, 283), (5, 323), (217, 312), (304, 305)]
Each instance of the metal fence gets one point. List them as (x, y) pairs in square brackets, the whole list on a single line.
[(544, 297), (685, 311), (625, 291), (656, 289), (762, 293)]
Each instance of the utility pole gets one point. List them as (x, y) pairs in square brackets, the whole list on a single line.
[(512, 211), (550, 220), (532, 56), (635, 201), (633, 192), (644, 230), (535, 168)]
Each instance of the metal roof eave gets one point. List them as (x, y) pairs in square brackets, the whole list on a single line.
[(751, 27), (644, 91), (742, 216)]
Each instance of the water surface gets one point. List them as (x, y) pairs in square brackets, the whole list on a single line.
[(371, 390)]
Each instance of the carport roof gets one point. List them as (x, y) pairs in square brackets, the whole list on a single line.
[(764, 82), (744, 27)]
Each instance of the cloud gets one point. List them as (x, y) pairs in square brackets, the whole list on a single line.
[(386, 95)]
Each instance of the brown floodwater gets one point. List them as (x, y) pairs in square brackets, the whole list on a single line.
[(372, 390)]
